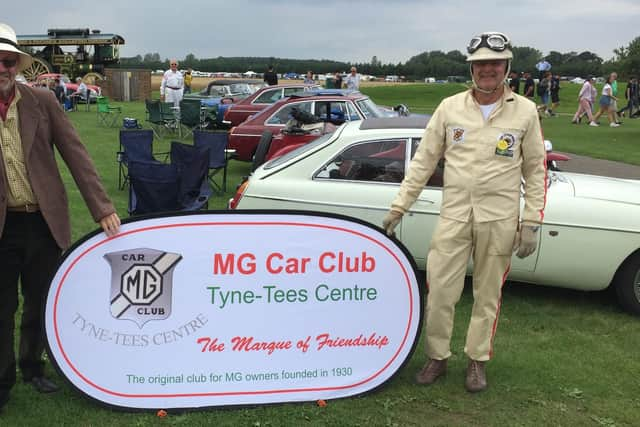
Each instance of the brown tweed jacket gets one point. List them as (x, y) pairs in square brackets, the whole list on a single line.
[(44, 125)]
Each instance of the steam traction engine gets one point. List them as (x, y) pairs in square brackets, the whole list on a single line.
[(86, 52)]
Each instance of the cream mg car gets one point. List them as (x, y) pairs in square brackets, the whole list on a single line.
[(590, 238)]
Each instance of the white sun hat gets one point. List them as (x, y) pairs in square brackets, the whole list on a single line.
[(9, 43)]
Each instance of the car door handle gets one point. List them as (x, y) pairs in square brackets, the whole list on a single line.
[(421, 199)]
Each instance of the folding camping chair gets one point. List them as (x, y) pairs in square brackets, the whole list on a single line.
[(107, 115), (136, 145), (154, 116), (191, 115), (178, 186), (192, 164), (153, 187), (216, 142)]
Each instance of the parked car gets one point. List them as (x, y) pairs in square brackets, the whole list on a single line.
[(238, 112), (590, 238), (94, 91), (222, 91), (220, 94), (330, 105)]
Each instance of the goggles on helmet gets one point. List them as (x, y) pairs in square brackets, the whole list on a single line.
[(497, 42)]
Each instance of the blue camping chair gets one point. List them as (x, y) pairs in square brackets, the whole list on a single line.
[(178, 186), (153, 188), (192, 164), (216, 142), (135, 145)]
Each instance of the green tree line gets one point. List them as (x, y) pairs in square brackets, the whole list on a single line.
[(438, 64)]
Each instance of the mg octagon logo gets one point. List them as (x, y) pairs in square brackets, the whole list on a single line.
[(141, 284)]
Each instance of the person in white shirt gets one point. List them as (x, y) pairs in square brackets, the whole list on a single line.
[(606, 99), (172, 86), (353, 80), (585, 103)]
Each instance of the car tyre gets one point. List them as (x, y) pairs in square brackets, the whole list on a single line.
[(262, 149), (627, 284)]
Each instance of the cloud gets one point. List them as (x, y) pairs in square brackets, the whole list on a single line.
[(351, 31)]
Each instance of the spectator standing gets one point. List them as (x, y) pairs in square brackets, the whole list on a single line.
[(529, 86), (58, 90), (353, 79), (172, 86), (475, 132), (188, 78), (613, 77), (337, 80), (586, 99), (543, 92), (631, 95), (554, 90), (270, 77), (34, 215), (308, 79), (514, 82), (605, 104)]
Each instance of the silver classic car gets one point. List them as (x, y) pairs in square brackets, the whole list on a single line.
[(590, 238)]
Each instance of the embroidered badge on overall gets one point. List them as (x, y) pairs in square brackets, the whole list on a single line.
[(458, 135), (505, 144)]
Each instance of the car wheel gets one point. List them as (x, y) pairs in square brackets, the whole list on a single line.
[(262, 149), (627, 284)]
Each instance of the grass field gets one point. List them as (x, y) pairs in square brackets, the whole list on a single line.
[(561, 357)]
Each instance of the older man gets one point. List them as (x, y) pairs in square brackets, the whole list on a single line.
[(34, 216), (172, 86), (490, 139), (353, 80)]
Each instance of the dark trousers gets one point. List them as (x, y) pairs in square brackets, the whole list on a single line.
[(27, 252)]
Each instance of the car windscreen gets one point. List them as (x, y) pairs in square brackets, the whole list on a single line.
[(298, 151), (369, 108), (240, 88)]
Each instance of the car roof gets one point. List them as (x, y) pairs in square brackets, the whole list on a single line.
[(230, 82), (410, 122), (326, 92)]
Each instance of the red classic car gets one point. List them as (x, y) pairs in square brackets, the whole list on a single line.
[(238, 112), (94, 91), (327, 105)]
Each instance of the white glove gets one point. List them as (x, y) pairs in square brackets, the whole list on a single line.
[(526, 240), (391, 221)]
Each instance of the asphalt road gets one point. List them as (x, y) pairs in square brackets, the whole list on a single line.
[(588, 165)]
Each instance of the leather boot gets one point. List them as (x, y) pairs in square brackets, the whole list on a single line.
[(476, 377), (431, 371)]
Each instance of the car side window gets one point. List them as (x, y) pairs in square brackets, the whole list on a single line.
[(288, 91), (331, 111), (268, 97), (379, 161), (283, 115), (437, 179), (352, 113)]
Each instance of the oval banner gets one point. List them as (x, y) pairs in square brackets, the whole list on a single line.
[(243, 308)]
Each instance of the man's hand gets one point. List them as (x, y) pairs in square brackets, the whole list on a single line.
[(111, 224), (391, 221), (526, 241)]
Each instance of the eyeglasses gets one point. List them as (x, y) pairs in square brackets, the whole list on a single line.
[(497, 42), (174, 63), (9, 63)]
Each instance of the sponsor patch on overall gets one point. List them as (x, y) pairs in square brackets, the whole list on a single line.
[(458, 135), (505, 144)]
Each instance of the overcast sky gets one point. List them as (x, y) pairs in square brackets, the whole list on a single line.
[(344, 30)]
